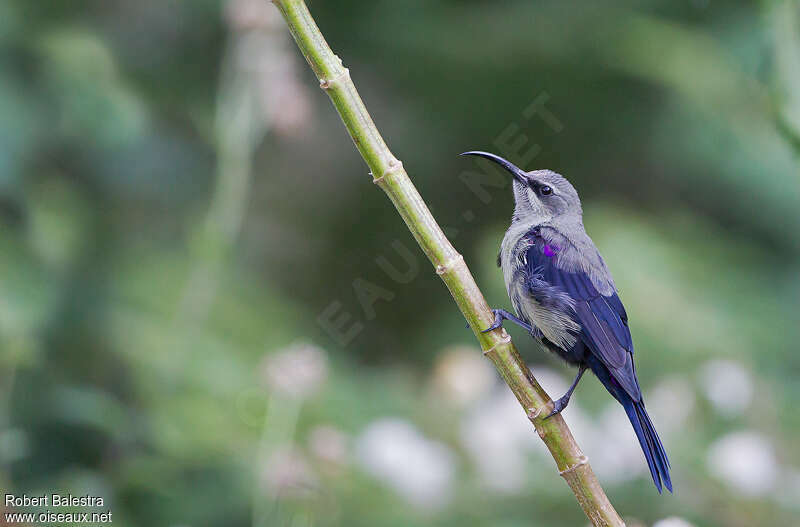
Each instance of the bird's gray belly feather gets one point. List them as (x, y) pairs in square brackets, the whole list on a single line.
[(545, 313)]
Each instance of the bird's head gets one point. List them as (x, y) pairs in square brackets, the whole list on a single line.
[(539, 195)]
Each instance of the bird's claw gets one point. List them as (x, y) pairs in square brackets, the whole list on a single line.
[(498, 321), (558, 406)]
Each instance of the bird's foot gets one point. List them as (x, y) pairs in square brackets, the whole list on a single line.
[(502, 314), (559, 405), (498, 321)]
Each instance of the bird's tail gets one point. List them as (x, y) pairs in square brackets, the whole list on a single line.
[(648, 438)]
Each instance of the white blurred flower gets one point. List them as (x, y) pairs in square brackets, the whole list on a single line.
[(251, 14), (612, 447), (462, 375), (745, 461), (267, 67), (296, 371), (670, 404), (728, 386), (328, 444), (418, 469), (287, 474), (498, 435), (673, 521), (286, 102)]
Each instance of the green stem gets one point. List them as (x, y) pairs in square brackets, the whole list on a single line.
[(389, 174)]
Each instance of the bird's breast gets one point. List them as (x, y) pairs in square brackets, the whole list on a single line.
[(554, 323)]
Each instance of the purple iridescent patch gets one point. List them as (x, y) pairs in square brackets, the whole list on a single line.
[(550, 251)]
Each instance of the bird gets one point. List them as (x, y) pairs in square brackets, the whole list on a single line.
[(564, 295)]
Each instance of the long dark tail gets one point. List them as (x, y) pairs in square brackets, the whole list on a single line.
[(651, 445), (648, 438)]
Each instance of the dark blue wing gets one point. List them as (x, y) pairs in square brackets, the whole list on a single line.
[(604, 323)]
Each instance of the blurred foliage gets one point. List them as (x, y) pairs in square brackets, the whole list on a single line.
[(177, 204)]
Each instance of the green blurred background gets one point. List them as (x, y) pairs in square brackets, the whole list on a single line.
[(210, 316)]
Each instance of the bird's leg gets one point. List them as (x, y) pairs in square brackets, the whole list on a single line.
[(560, 404), (502, 314)]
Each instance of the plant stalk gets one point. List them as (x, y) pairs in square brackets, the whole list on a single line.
[(390, 175)]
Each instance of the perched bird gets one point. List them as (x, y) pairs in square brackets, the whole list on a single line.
[(564, 296)]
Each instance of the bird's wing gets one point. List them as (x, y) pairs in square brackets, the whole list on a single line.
[(604, 323)]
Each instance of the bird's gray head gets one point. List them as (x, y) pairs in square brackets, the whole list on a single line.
[(540, 195)]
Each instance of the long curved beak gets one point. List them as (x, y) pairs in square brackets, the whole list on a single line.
[(517, 172)]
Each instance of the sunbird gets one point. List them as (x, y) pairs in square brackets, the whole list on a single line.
[(564, 296)]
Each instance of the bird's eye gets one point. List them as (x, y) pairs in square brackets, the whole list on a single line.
[(545, 190)]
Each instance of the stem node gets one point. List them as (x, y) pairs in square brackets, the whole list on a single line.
[(449, 265), (582, 461), (395, 166), (327, 84), (505, 339), (534, 413)]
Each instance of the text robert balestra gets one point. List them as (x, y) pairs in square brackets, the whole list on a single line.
[(53, 500)]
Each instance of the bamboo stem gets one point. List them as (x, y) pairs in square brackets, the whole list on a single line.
[(390, 175)]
